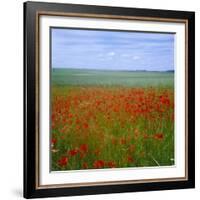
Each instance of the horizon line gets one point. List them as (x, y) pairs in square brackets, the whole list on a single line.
[(142, 70)]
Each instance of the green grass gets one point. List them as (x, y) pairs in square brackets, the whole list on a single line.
[(110, 78)]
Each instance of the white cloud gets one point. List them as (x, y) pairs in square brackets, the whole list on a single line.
[(136, 57), (111, 53), (125, 55)]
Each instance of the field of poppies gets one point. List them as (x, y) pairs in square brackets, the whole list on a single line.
[(97, 126)]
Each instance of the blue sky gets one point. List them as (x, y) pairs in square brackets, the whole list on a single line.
[(112, 50)]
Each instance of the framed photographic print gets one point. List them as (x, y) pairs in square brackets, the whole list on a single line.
[(108, 99)]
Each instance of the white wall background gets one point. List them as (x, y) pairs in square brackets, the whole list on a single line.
[(11, 98)]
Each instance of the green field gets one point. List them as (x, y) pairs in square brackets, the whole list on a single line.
[(109, 78), (111, 119)]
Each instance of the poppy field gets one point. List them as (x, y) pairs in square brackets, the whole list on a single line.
[(123, 119)]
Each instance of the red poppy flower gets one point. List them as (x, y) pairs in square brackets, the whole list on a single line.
[(111, 164), (85, 165), (130, 159), (73, 152), (85, 125), (98, 164), (158, 136), (123, 141), (63, 161), (70, 115), (53, 141), (165, 100), (83, 148), (114, 141)]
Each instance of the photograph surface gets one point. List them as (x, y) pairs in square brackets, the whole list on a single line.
[(112, 99)]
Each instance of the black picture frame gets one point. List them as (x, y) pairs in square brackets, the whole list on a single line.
[(32, 11)]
